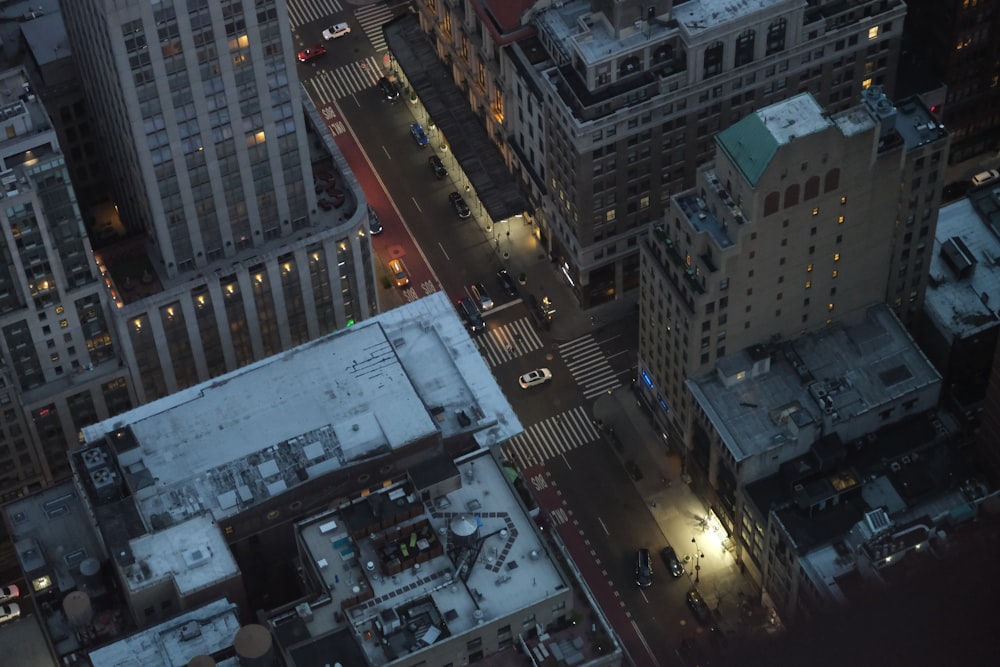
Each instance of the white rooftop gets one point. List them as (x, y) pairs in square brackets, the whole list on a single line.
[(701, 15), (229, 443), (193, 553), (795, 117), (963, 304), (203, 631)]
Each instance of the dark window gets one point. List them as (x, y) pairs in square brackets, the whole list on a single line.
[(832, 180), (776, 37), (771, 203), (744, 48), (791, 196), (713, 59), (812, 188)]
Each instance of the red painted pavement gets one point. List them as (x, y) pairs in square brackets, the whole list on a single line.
[(559, 517), (395, 241)]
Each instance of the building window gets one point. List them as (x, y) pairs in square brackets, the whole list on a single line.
[(816, 211), (873, 32), (744, 48), (776, 37)]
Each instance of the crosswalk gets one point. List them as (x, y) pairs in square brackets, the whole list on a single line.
[(549, 438), (589, 366), (301, 12), (344, 81), (371, 18), (502, 343)]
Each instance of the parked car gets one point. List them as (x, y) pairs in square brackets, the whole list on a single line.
[(336, 31), (535, 378), (479, 293), (643, 569), (458, 203), (398, 272), (985, 177), (670, 559), (8, 612), (8, 593), (698, 607), (437, 166), (312, 53), (389, 89), (374, 224), (419, 135), (507, 283)]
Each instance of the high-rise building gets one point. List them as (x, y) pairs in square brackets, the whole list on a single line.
[(605, 109), (804, 218), (206, 133), (60, 368), (956, 43)]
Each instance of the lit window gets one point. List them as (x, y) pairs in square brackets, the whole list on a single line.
[(829, 307), (59, 310), (816, 211), (866, 84), (610, 216), (843, 200), (836, 256), (873, 32), (809, 284), (63, 324), (809, 268), (840, 220), (835, 273)]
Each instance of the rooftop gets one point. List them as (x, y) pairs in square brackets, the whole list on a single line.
[(174, 643), (698, 16), (964, 286), (469, 557), (249, 435), (847, 369)]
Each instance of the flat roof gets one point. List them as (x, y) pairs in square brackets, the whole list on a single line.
[(472, 557), (963, 292), (704, 15), (174, 643), (231, 442), (862, 362), (193, 553)]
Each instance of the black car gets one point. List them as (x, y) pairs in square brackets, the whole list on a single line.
[(461, 208), (437, 166), (507, 283), (643, 569), (699, 607), (389, 90), (374, 224), (670, 559)]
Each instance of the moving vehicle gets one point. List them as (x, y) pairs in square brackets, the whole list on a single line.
[(312, 53), (985, 177), (479, 293), (470, 312), (643, 569), (398, 272), (670, 559), (535, 378), (437, 166), (336, 31), (419, 135), (389, 90), (374, 224), (458, 203)]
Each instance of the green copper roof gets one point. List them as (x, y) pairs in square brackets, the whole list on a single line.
[(750, 145)]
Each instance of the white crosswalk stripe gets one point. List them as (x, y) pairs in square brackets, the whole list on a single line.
[(371, 18), (500, 344), (344, 81), (589, 366), (550, 438), (301, 12)]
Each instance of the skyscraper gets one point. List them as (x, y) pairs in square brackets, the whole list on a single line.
[(206, 132)]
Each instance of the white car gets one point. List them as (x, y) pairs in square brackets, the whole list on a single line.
[(8, 612), (9, 593), (534, 378), (336, 31)]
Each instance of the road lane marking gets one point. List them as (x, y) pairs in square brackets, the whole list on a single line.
[(606, 531), (444, 252)]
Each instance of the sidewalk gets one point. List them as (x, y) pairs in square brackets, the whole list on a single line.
[(680, 514)]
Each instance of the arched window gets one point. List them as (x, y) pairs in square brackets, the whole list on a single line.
[(832, 180), (771, 203), (744, 48), (792, 195), (713, 59), (629, 66), (776, 37), (811, 189), (663, 54)]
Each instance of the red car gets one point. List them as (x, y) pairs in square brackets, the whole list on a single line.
[(312, 53)]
